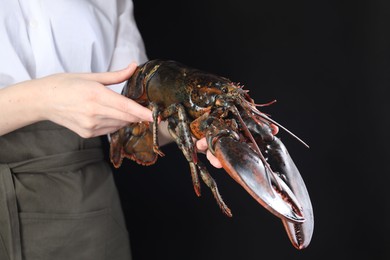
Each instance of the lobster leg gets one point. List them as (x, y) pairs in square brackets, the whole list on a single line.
[(193, 167), (186, 145), (210, 182), (183, 140), (155, 113)]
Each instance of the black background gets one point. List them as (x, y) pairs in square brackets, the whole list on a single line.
[(327, 64)]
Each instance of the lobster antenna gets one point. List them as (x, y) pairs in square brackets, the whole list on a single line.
[(250, 136), (253, 108), (285, 129)]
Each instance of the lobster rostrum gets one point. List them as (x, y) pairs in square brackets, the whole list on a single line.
[(197, 104)]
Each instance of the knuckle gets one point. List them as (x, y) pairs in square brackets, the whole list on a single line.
[(84, 133), (88, 125)]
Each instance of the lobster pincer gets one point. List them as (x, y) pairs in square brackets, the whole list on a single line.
[(197, 104), (282, 165), (299, 233), (270, 176)]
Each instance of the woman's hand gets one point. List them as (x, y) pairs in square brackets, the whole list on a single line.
[(80, 102), (202, 147), (85, 105)]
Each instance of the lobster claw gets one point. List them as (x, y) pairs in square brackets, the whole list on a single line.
[(246, 168), (286, 197), (300, 234)]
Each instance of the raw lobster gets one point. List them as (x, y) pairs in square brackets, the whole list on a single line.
[(198, 104)]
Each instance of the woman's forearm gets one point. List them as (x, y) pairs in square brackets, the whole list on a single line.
[(20, 106)]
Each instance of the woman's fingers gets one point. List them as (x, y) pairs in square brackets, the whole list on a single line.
[(109, 78), (201, 145), (126, 109), (213, 160), (203, 148), (83, 104)]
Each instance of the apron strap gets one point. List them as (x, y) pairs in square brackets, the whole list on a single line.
[(69, 161), (10, 241), (9, 219)]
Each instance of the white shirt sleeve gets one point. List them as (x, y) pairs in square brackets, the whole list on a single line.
[(129, 46), (39, 38)]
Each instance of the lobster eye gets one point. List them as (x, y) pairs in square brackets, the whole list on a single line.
[(224, 89)]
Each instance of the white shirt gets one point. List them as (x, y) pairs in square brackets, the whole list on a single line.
[(42, 37)]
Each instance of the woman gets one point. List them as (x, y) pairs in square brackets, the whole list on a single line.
[(61, 68)]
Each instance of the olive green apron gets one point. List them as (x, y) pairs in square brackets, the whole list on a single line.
[(58, 199)]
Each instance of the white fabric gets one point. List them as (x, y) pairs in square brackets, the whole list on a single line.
[(42, 37)]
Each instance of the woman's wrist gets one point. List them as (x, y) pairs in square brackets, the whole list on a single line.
[(21, 104)]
